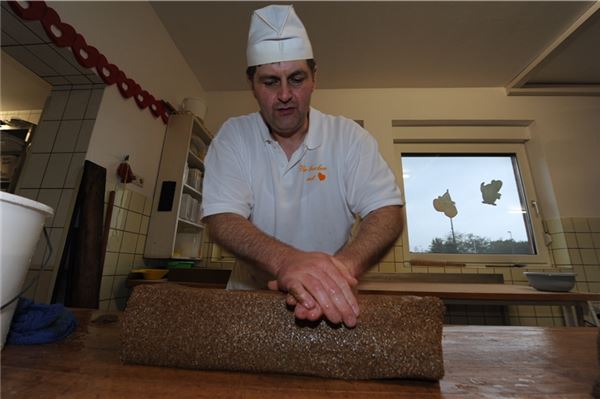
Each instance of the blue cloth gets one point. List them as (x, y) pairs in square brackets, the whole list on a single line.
[(39, 323)]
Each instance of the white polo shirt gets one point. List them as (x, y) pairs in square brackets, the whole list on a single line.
[(308, 202)]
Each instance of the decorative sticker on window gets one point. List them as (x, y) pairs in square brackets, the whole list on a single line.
[(491, 192)]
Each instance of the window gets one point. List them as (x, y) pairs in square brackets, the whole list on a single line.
[(472, 203)]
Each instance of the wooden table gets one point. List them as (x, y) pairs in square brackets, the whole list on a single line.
[(480, 362), (573, 303)]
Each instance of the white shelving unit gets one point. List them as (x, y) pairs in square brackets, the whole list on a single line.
[(173, 232)]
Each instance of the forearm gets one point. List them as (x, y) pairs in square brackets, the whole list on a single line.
[(239, 236), (317, 281), (375, 236)]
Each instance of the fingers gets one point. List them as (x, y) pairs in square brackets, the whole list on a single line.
[(300, 312), (318, 285), (347, 289), (301, 295), (331, 299), (290, 300)]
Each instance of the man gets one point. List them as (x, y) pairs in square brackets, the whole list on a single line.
[(283, 185)]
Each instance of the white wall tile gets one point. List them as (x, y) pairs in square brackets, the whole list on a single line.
[(24, 56), (7, 40), (19, 31), (124, 264), (94, 103), (33, 171), (75, 170), (56, 80), (144, 225), (48, 53), (50, 197), (83, 140), (65, 208), (79, 81), (129, 243), (141, 243), (56, 172), (114, 240), (66, 138), (137, 202), (118, 218), (44, 136), (30, 193), (106, 287), (110, 263), (55, 105), (133, 222), (77, 104), (39, 254), (57, 240), (148, 207)]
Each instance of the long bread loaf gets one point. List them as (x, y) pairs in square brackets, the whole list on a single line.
[(178, 326)]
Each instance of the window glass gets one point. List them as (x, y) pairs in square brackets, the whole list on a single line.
[(466, 204)]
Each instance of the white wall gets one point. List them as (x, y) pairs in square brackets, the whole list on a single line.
[(132, 37), (565, 135), (21, 88)]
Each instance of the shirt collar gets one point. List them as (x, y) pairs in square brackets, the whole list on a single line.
[(313, 138)]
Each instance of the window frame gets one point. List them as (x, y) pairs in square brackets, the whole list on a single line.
[(540, 259)]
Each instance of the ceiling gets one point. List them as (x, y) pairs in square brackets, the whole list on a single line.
[(538, 47)]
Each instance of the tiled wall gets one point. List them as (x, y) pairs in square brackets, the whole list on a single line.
[(53, 168), (126, 240), (575, 247)]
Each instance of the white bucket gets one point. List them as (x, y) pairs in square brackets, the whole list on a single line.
[(22, 221)]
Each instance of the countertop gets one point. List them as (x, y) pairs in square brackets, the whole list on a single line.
[(480, 362)]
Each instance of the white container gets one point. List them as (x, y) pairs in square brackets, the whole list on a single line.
[(193, 210), (194, 179), (186, 206), (22, 221), (187, 245), (195, 105)]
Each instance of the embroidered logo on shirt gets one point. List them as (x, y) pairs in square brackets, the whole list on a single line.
[(313, 172)]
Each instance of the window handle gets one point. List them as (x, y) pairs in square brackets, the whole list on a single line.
[(536, 207)]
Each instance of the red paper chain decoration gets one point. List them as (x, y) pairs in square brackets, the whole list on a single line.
[(64, 35)]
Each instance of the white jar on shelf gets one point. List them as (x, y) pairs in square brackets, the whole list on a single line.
[(186, 206)]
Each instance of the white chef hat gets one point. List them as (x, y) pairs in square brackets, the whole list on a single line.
[(277, 34)]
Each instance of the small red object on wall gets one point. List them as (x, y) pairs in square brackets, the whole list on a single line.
[(124, 171)]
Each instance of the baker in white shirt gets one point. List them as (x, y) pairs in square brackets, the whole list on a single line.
[(283, 186)]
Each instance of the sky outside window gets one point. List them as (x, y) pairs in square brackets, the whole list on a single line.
[(427, 177)]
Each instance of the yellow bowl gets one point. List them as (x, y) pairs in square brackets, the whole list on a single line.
[(151, 274)]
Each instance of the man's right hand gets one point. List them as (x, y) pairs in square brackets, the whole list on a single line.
[(320, 285)]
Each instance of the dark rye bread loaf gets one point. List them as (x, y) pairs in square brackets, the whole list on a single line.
[(178, 326)]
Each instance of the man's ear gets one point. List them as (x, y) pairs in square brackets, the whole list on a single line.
[(315, 77)]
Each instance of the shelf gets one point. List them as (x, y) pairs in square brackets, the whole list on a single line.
[(192, 191), (199, 129), (195, 162), (189, 223), (185, 134), (185, 258)]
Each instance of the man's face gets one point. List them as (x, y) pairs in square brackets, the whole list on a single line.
[(283, 90)]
